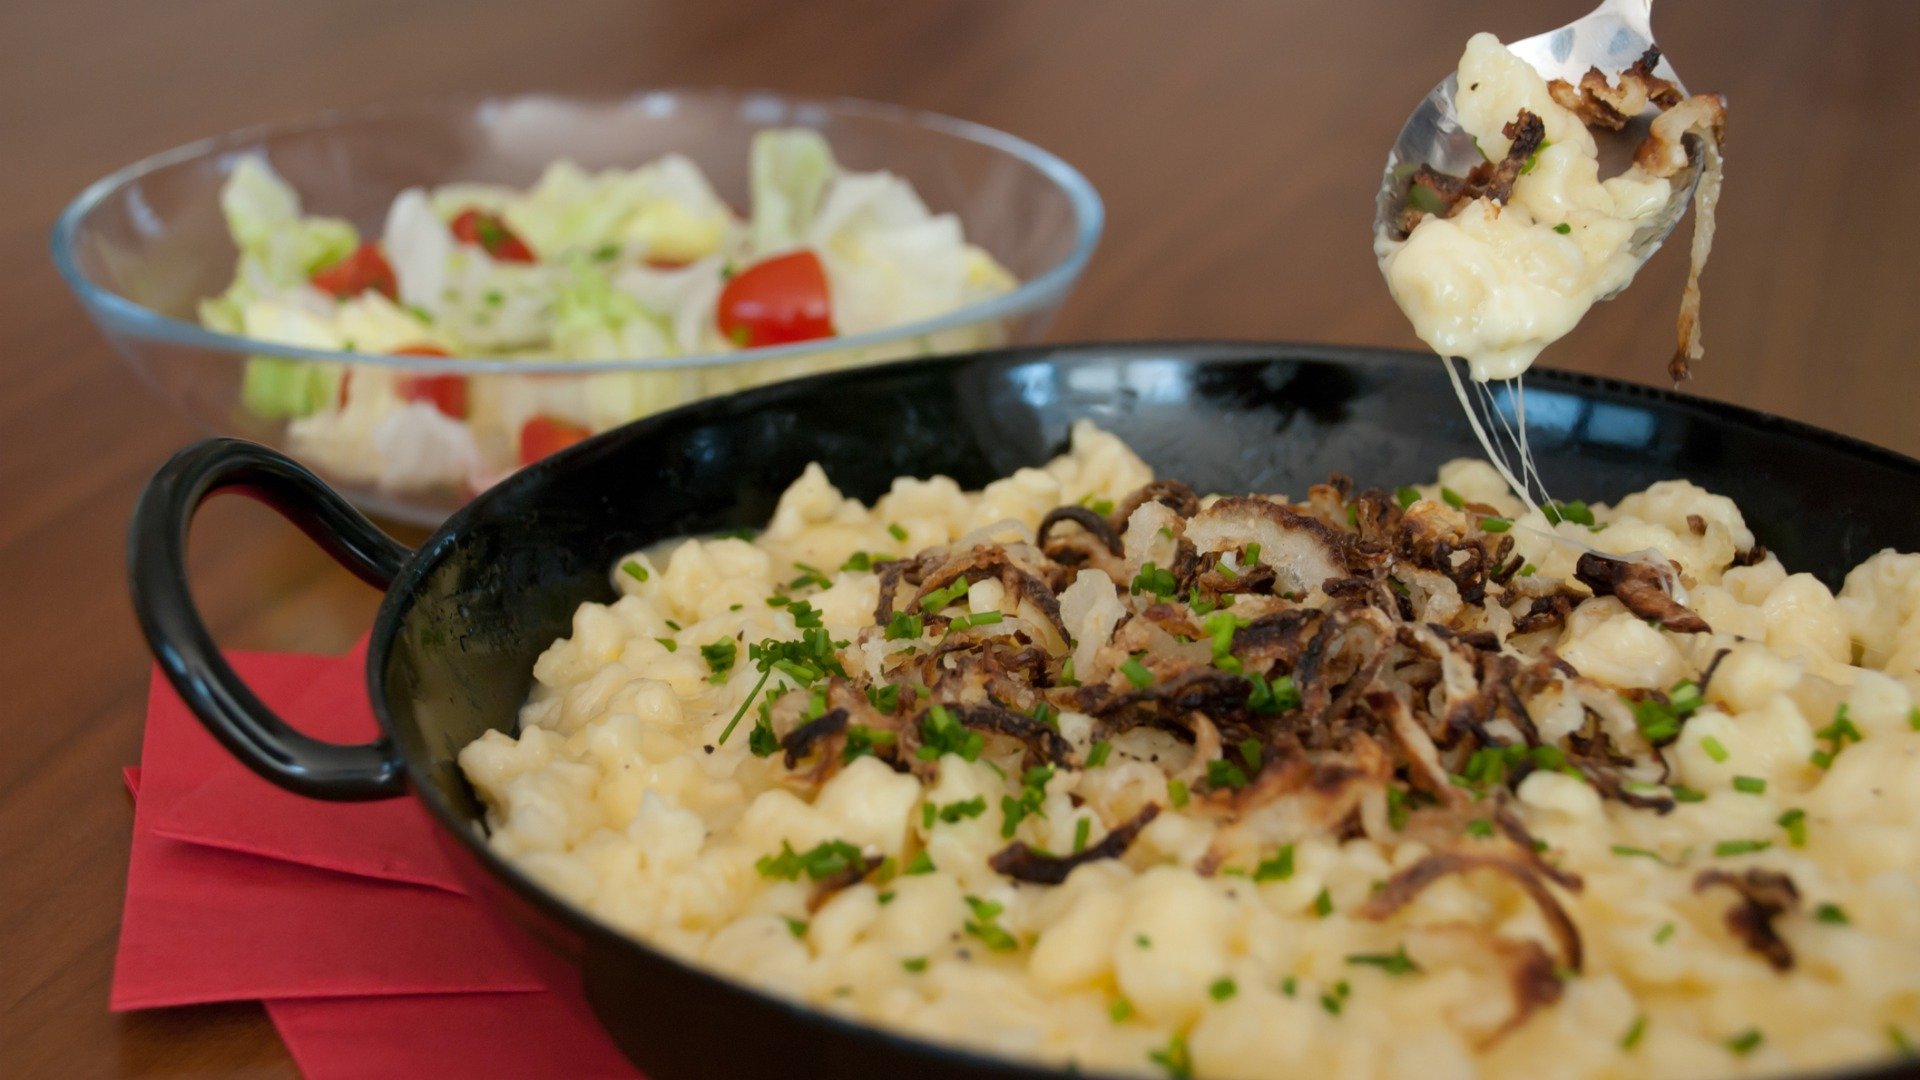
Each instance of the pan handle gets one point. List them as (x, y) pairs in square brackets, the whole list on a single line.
[(157, 567)]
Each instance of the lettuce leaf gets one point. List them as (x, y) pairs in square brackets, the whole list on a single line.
[(789, 172), (278, 246)]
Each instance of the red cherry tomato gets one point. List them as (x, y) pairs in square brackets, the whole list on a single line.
[(544, 435), (490, 234), (364, 269), (781, 300), (448, 393)]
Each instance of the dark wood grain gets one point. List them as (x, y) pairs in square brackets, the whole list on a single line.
[(1236, 143)]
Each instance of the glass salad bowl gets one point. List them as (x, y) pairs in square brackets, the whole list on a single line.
[(149, 252)]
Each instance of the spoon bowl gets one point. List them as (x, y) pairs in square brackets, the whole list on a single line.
[(1610, 38)]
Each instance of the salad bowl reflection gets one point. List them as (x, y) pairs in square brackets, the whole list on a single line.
[(418, 300)]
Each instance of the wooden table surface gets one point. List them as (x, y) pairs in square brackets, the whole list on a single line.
[(1236, 142)]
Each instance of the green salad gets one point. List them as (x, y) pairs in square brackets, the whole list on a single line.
[(618, 264)]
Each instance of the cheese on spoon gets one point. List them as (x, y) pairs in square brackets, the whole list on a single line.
[(1496, 282)]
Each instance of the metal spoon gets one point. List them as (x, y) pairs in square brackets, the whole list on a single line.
[(1616, 34)]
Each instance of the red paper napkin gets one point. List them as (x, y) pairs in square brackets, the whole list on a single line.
[(232, 808), (346, 918)]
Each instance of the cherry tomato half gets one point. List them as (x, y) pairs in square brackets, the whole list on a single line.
[(490, 234), (447, 393), (364, 269), (544, 435), (775, 302)]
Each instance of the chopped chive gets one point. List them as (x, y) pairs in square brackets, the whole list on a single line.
[(1336, 998), (1177, 793), (1452, 498), (940, 598), (1575, 511), (1097, 756), (859, 560), (1752, 785), (1913, 718), (809, 575), (1323, 903), (960, 811), (1222, 989), (1175, 1059), (915, 964), (1832, 915), (894, 530), (1222, 773), (1626, 852), (1082, 829), (1136, 672), (1396, 962), (1714, 749), (1153, 579), (1480, 827), (1528, 570), (1120, 1010), (968, 622), (797, 927), (1632, 1038), (634, 570), (1289, 986), (720, 656), (1563, 228), (1683, 793), (1252, 556), (1495, 524), (1662, 935), (1142, 941), (1746, 1042), (668, 644), (1901, 1043), (1728, 848), (1278, 868), (1406, 496), (1795, 822)]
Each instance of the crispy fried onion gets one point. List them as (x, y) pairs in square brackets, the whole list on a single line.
[(1402, 888), (1705, 117), (1600, 102), (1700, 122), (1642, 587), (1533, 975), (1490, 180), (1342, 666), (1765, 895), (1022, 863)]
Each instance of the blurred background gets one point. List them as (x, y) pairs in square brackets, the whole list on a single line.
[(1237, 144)]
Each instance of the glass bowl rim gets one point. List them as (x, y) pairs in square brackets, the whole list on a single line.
[(119, 314)]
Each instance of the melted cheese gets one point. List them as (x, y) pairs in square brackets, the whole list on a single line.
[(1496, 284)]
